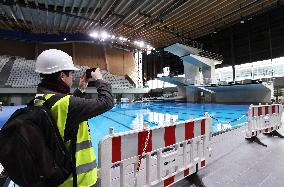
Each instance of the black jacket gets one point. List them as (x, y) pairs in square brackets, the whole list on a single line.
[(81, 109)]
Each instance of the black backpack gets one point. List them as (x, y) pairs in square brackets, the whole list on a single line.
[(32, 151)]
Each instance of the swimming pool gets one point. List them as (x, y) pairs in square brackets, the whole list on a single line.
[(125, 117)]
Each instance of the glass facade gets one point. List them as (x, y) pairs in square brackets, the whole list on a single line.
[(255, 70)]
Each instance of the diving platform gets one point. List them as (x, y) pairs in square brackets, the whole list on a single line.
[(179, 81), (196, 62), (182, 50), (200, 61)]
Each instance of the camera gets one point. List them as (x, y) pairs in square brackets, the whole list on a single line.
[(89, 71)]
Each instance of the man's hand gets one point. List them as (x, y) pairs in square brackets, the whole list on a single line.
[(83, 83), (97, 74)]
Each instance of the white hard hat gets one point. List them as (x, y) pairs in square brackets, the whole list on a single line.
[(52, 61)]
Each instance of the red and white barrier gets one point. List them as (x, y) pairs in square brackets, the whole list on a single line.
[(263, 119), (156, 156)]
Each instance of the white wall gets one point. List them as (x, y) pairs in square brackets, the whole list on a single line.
[(252, 93)]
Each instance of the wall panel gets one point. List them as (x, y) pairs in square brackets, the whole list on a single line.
[(119, 62), (92, 55), (17, 48)]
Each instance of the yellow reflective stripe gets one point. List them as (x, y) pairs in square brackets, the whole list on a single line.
[(83, 132), (83, 145), (84, 180), (59, 111), (86, 167), (85, 156), (88, 179)]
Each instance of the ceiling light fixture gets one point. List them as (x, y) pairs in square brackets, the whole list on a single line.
[(104, 35), (94, 34), (122, 38)]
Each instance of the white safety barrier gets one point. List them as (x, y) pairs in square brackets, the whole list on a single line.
[(155, 156), (263, 119)]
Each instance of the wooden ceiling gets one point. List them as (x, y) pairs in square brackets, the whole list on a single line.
[(158, 22)]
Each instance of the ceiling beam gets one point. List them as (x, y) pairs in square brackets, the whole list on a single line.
[(96, 9), (118, 13), (22, 16), (139, 23), (68, 18), (5, 25), (26, 6), (187, 13), (62, 15), (46, 16), (104, 9), (85, 15), (131, 14), (51, 8), (77, 20), (54, 17), (6, 18), (36, 7), (136, 20)]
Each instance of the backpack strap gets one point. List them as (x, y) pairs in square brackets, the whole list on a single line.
[(51, 101), (48, 104)]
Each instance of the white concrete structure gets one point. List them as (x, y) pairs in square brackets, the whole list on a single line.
[(200, 72), (197, 69)]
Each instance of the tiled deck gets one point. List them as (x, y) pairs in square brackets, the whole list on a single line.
[(236, 162)]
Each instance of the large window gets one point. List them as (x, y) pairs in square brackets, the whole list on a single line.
[(255, 70), (224, 74)]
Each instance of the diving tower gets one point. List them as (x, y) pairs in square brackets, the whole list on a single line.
[(199, 66), (199, 83)]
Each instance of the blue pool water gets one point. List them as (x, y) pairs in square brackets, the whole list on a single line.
[(6, 112), (125, 117)]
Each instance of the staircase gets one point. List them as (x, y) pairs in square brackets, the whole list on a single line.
[(278, 92)]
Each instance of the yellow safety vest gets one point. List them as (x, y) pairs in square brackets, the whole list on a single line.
[(86, 167)]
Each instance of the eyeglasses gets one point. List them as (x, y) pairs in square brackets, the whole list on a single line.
[(71, 73)]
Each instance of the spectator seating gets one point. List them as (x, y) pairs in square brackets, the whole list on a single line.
[(23, 75), (117, 82), (3, 60)]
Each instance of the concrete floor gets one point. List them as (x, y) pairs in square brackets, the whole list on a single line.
[(237, 162)]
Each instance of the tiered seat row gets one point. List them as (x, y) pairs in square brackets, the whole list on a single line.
[(3, 60), (123, 82), (23, 75), (117, 82), (82, 70)]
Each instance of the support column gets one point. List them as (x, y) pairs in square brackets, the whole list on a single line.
[(191, 72), (209, 75), (232, 54)]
